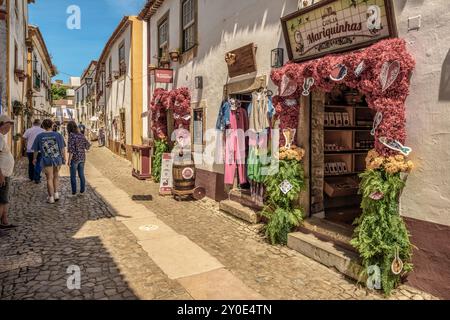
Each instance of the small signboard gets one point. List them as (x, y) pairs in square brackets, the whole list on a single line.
[(241, 61), (163, 75), (166, 175), (332, 26)]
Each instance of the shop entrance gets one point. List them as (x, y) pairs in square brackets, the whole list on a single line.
[(341, 124)]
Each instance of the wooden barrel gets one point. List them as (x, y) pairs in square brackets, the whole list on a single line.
[(184, 177)]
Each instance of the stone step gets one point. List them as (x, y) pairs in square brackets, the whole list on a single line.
[(327, 253), (244, 198), (329, 231), (239, 211)]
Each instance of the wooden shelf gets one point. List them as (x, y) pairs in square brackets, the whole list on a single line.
[(354, 151), (350, 174), (346, 106), (354, 128)]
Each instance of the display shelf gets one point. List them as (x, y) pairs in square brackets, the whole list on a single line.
[(349, 174), (346, 106), (353, 151), (354, 128)]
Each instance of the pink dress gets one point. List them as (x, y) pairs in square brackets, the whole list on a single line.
[(235, 154)]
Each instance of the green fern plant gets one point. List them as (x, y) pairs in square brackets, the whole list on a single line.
[(161, 147), (380, 230), (282, 211)]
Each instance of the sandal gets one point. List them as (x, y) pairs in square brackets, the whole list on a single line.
[(7, 226)]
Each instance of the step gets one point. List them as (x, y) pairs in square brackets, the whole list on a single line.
[(327, 253), (239, 211), (327, 230), (244, 198)]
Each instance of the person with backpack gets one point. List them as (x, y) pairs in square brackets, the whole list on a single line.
[(51, 146)]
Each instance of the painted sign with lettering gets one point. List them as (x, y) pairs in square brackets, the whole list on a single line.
[(166, 175), (163, 75), (332, 26)]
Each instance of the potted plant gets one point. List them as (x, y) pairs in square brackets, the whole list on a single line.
[(17, 107), (174, 55)]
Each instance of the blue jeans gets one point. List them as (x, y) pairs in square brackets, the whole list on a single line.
[(74, 168), (34, 171)]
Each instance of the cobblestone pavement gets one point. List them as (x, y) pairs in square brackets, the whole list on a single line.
[(82, 231)]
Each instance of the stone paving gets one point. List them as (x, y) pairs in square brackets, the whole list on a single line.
[(83, 232)]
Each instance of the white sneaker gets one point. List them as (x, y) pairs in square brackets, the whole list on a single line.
[(50, 200), (56, 196)]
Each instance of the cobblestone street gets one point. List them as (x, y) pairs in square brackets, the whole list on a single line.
[(98, 233)]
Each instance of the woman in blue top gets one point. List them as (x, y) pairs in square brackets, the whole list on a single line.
[(77, 146), (51, 146)]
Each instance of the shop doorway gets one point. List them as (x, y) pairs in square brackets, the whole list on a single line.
[(341, 124)]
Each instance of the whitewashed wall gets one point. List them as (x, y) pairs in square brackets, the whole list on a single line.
[(18, 33), (41, 100), (427, 195), (3, 55), (119, 94), (223, 26)]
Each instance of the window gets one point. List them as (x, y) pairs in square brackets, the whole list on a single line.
[(16, 56), (110, 68), (163, 39), (82, 95), (16, 7), (189, 24), (122, 63)]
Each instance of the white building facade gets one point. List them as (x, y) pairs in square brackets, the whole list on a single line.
[(204, 31), (40, 72)]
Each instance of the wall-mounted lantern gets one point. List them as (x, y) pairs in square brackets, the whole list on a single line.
[(199, 82), (277, 58)]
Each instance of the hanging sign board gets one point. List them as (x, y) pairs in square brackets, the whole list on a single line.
[(166, 175), (241, 61), (163, 75), (332, 26)]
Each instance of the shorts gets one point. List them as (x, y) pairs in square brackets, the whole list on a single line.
[(4, 192)]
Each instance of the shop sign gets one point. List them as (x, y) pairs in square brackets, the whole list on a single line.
[(241, 61), (163, 75), (332, 26), (166, 174)]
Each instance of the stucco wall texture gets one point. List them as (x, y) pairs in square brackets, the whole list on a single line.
[(227, 25), (427, 195)]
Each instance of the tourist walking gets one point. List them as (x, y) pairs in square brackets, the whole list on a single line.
[(6, 171), (77, 146), (82, 128), (34, 171), (101, 137), (51, 145)]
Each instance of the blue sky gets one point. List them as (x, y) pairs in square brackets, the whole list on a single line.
[(72, 50)]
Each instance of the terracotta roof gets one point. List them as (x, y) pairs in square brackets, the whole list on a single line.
[(150, 9), (94, 63)]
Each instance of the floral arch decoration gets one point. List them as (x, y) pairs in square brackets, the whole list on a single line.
[(365, 70), (382, 73)]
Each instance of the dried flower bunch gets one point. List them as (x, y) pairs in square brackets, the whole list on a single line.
[(179, 101), (391, 164), (294, 153)]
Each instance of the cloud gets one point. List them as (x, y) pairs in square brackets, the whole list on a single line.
[(126, 7)]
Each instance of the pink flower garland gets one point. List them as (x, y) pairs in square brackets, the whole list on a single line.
[(391, 102), (179, 101)]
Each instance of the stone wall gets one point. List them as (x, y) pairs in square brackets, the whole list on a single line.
[(317, 150)]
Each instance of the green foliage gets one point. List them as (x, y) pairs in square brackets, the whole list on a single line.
[(380, 229), (282, 210), (161, 147), (59, 92)]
